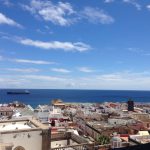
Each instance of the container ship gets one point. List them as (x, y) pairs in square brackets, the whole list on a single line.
[(18, 92)]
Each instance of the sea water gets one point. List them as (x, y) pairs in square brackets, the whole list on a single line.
[(45, 96)]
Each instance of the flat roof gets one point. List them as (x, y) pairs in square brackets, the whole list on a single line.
[(21, 124), (5, 108), (7, 126)]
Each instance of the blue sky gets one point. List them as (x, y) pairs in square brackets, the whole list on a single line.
[(68, 44)]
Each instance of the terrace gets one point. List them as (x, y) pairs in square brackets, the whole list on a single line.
[(68, 140)]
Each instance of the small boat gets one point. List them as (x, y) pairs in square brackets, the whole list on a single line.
[(18, 92)]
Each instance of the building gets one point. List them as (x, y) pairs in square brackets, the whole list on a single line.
[(58, 103), (135, 147), (6, 146), (121, 121), (6, 111), (116, 142), (140, 139), (140, 116), (130, 105), (24, 134)]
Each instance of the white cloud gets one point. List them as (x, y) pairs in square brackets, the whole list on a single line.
[(131, 2), (38, 62), (31, 81), (125, 80), (28, 61), (44, 31), (6, 3), (1, 58), (59, 13), (95, 15), (124, 76), (85, 69), (109, 1), (110, 77), (61, 70), (9, 82), (147, 54), (139, 51), (63, 14), (8, 21), (67, 46), (134, 3), (135, 50), (21, 70), (148, 7), (44, 77)]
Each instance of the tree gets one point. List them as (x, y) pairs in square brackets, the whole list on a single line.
[(103, 140)]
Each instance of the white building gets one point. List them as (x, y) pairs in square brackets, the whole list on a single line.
[(27, 134), (120, 121)]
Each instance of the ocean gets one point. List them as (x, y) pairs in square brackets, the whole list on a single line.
[(45, 96)]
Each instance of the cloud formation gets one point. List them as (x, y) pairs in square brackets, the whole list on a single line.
[(61, 70), (59, 13), (44, 77), (117, 80), (6, 3), (109, 1), (63, 14), (37, 62), (23, 70), (85, 69), (134, 3), (97, 16), (131, 2), (148, 7), (66, 46), (8, 21), (1, 57)]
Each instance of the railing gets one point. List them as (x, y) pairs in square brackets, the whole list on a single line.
[(83, 143), (78, 138), (68, 135), (102, 147), (84, 146), (60, 136)]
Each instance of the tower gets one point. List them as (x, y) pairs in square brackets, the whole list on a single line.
[(130, 105)]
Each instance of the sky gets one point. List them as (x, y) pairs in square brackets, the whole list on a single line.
[(75, 44)]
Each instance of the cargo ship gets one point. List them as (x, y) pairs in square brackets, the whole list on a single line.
[(18, 92)]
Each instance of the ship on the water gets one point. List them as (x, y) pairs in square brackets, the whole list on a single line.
[(18, 92)]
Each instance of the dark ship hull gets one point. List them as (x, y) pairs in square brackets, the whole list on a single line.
[(18, 92)]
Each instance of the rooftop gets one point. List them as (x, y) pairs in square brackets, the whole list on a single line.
[(5, 108), (21, 124), (7, 126)]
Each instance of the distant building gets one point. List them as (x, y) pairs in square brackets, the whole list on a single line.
[(130, 105), (140, 139), (121, 121), (116, 142), (6, 111), (24, 134), (58, 103), (135, 147)]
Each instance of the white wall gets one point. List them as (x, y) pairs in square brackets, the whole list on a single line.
[(32, 143), (120, 121), (61, 143)]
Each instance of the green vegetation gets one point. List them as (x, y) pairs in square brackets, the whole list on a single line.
[(103, 140)]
